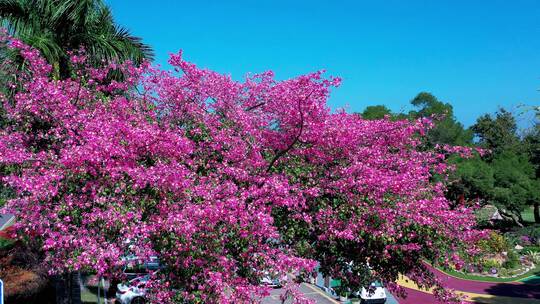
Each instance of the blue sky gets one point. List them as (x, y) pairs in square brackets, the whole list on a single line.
[(478, 55)]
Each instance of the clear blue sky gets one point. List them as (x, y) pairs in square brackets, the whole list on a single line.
[(478, 55)]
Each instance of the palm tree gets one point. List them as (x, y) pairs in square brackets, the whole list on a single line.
[(57, 26)]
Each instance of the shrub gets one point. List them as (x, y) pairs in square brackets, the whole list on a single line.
[(469, 268), (533, 256), (496, 243), (531, 248), (503, 272), (525, 240), (512, 260), (489, 264), (531, 232), (6, 244)]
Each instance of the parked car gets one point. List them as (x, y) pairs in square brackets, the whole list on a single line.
[(373, 294), (133, 292), (272, 281), (135, 268)]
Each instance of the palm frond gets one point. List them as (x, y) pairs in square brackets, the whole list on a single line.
[(12, 8), (132, 46), (57, 26), (46, 43), (13, 14)]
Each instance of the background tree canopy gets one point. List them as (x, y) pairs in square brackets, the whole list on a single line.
[(447, 129), (506, 176)]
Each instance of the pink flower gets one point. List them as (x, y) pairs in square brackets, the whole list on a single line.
[(225, 181)]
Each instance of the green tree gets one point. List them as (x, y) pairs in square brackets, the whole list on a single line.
[(380, 111), (497, 133), (515, 185), (507, 181), (57, 26), (447, 129), (532, 146), (376, 112), (515, 181), (473, 179)]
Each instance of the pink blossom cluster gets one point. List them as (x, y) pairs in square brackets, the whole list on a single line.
[(225, 181)]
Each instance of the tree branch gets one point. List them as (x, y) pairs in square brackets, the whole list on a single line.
[(296, 138), (255, 106)]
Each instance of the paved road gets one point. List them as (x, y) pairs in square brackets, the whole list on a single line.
[(310, 291), (315, 293)]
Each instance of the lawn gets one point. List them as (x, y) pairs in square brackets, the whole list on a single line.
[(89, 291), (535, 280), (528, 214), (88, 297)]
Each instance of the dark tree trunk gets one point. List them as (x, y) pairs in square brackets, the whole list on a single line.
[(68, 288), (510, 216), (537, 212), (61, 289)]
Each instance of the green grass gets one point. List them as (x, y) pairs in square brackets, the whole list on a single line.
[(88, 297), (528, 214), (530, 248), (532, 280), (466, 276)]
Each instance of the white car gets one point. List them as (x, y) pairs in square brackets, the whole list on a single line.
[(272, 281), (135, 267), (133, 292), (373, 294)]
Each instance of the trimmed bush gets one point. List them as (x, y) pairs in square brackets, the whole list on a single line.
[(512, 260), (496, 243), (489, 264)]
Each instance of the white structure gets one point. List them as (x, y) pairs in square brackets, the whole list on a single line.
[(6, 220)]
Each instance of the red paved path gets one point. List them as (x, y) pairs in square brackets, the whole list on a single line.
[(492, 288), (417, 297)]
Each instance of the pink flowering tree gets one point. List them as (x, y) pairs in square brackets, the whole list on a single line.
[(225, 181)]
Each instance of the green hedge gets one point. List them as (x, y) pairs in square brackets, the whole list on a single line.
[(6, 244)]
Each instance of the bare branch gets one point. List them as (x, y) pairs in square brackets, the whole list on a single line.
[(255, 106), (296, 138)]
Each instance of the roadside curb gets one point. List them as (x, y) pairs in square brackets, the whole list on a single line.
[(319, 291)]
